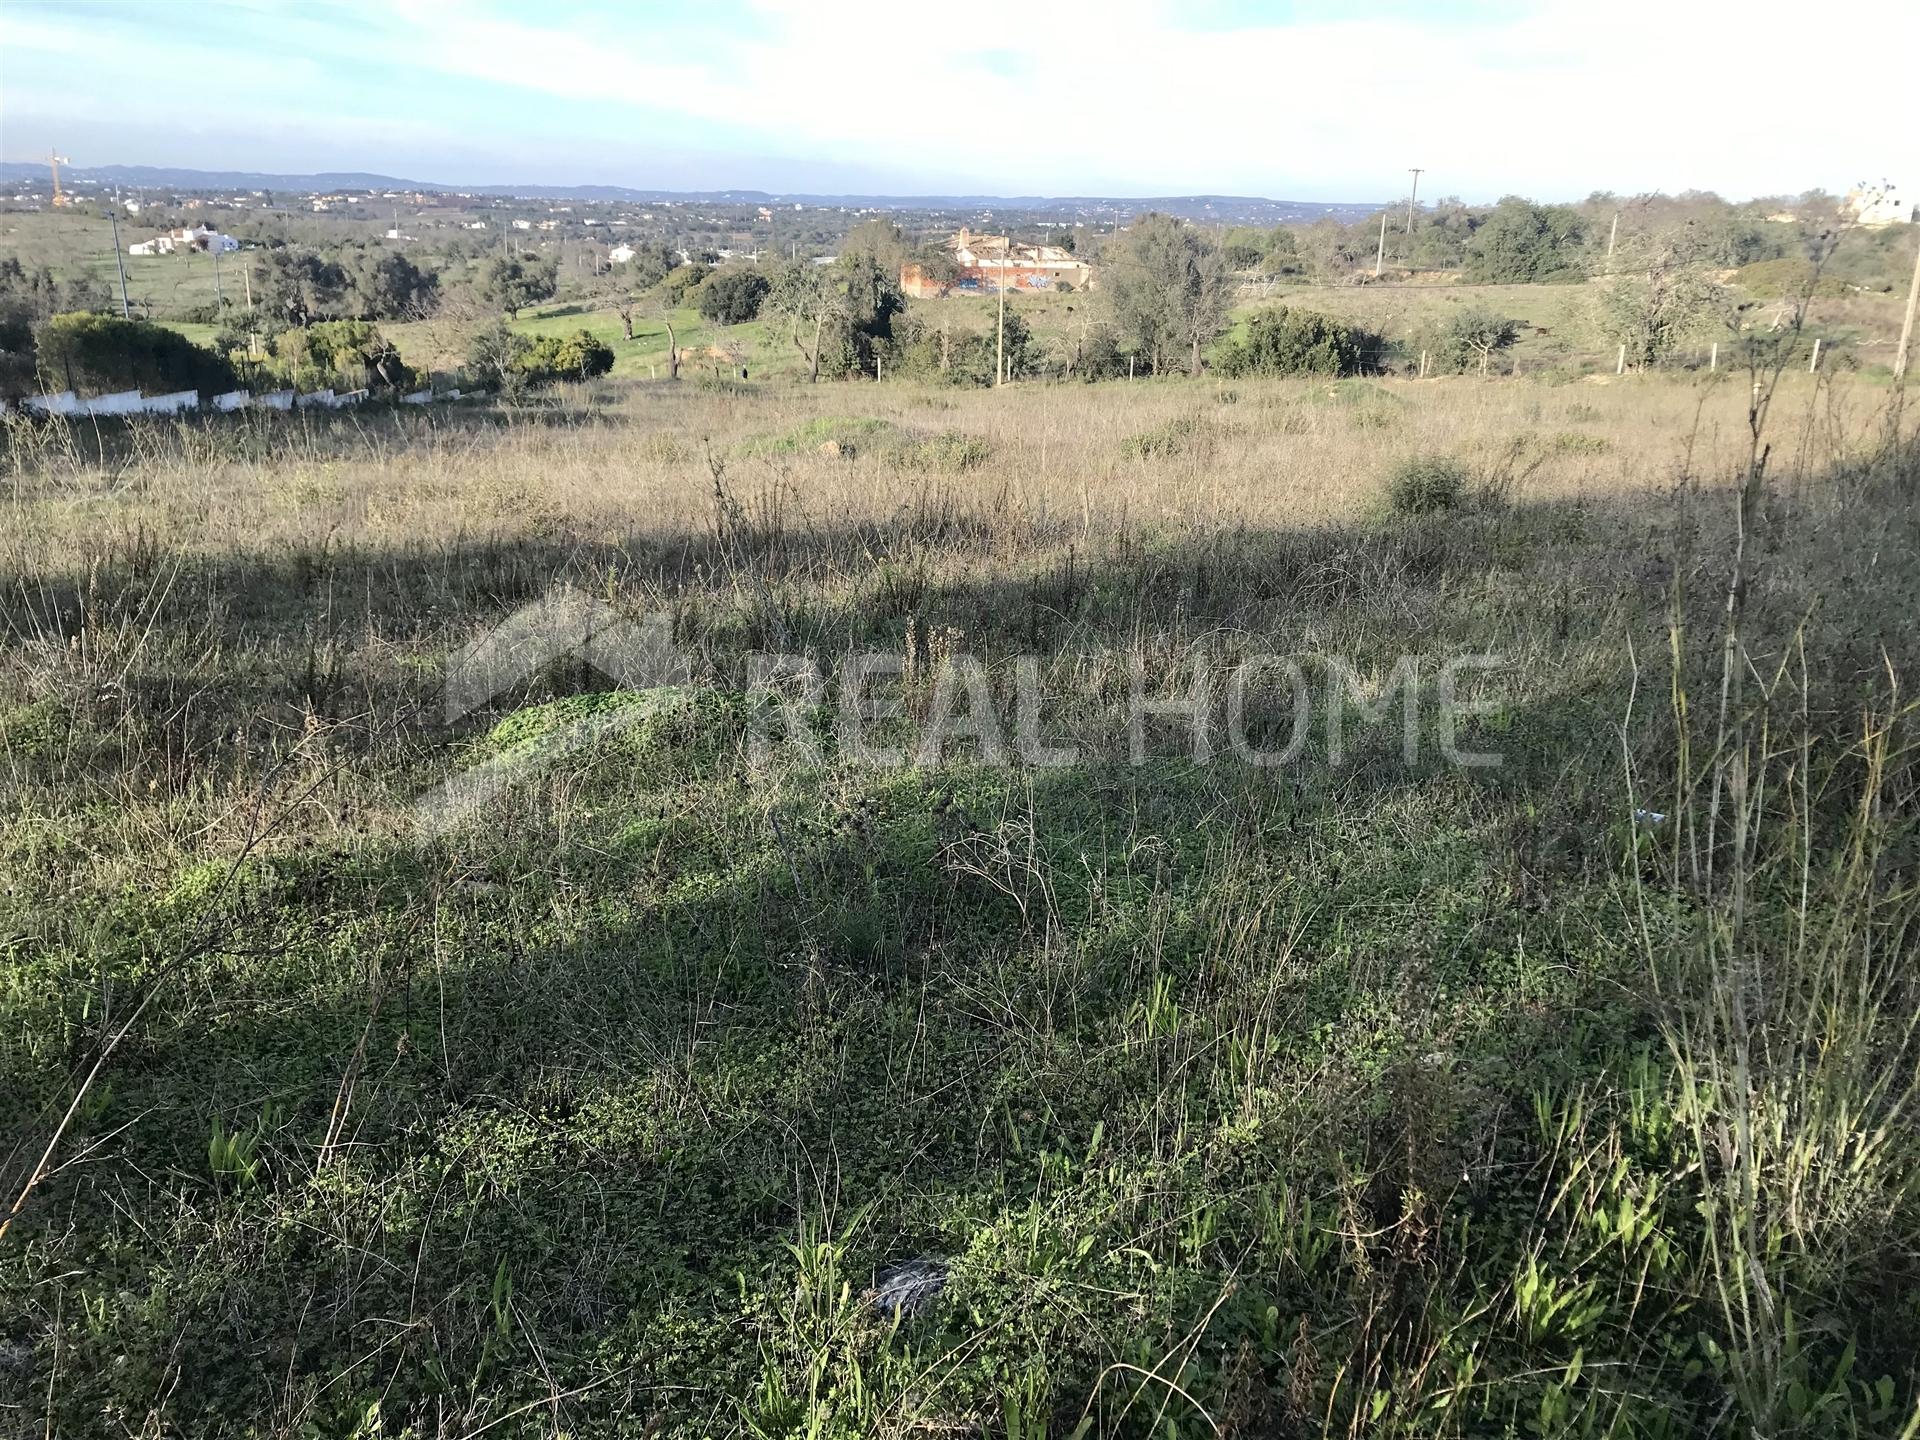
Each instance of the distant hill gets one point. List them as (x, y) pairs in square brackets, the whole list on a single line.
[(1197, 207)]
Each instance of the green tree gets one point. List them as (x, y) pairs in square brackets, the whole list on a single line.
[(1281, 255), (103, 353), (350, 353), (937, 263), (1281, 341), (1168, 286), (579, 356), (679, 282), (733, 297), (493, 358), (838, 316), (1663, 302), (1521, 243), (19, 349), (878, 240), (1245, 247), (386, 285), (510, 283), (37, 295), (299, 286), (651, 263)]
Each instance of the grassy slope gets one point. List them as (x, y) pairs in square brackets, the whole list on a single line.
[(75, 243), (1334, 1097)]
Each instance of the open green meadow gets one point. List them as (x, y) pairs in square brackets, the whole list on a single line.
[(715, 1075)]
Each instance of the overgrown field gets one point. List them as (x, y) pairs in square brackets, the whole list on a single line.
[(1360, 1094)]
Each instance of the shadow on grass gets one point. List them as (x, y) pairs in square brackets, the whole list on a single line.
[(1135, 1049)]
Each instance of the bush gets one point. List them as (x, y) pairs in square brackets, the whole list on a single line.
[(1182, 435), (1426, 485), (1297, 342), (1100, 357), (945, 356), (1470, 339), (1521, 243), (949, 450), (103, 353), (1785, 279), (494, 358), (733, 297), (579, 356), (345, 354), (674, 289)]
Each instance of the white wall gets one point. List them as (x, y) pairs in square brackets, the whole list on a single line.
[(126, 402)]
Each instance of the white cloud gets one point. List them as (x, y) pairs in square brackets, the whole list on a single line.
[(1552, 100)]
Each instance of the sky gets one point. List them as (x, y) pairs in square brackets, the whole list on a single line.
[(1309, 100)]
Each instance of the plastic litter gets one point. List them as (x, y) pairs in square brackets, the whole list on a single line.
[(909, 1288)]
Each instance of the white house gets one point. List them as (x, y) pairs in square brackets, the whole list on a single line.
[(1873, 207), (621, 254), (194, 237)]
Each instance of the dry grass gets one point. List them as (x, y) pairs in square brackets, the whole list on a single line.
[(1271, 453)]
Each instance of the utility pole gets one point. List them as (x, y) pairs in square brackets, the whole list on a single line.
[(1413, 194), (1380, 255), (213, 248), (126, 310), (1613, 235), (1000, 338), (1906, 330)]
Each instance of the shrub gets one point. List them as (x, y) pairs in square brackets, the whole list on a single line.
[(733, 297), (104, 353), (1470, 338), (494, 358), (1183, 434), (1521, 243), (948, 450), (1426, 485), (346, 354), (953, 356), (579, 356), (1785, 279), (1100, 357), (1297, 342), (680, 281)]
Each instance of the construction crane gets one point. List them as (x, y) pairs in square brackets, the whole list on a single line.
[(54, 161)]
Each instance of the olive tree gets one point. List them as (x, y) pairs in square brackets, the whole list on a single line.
[(1169, 287), (1653, 309)]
